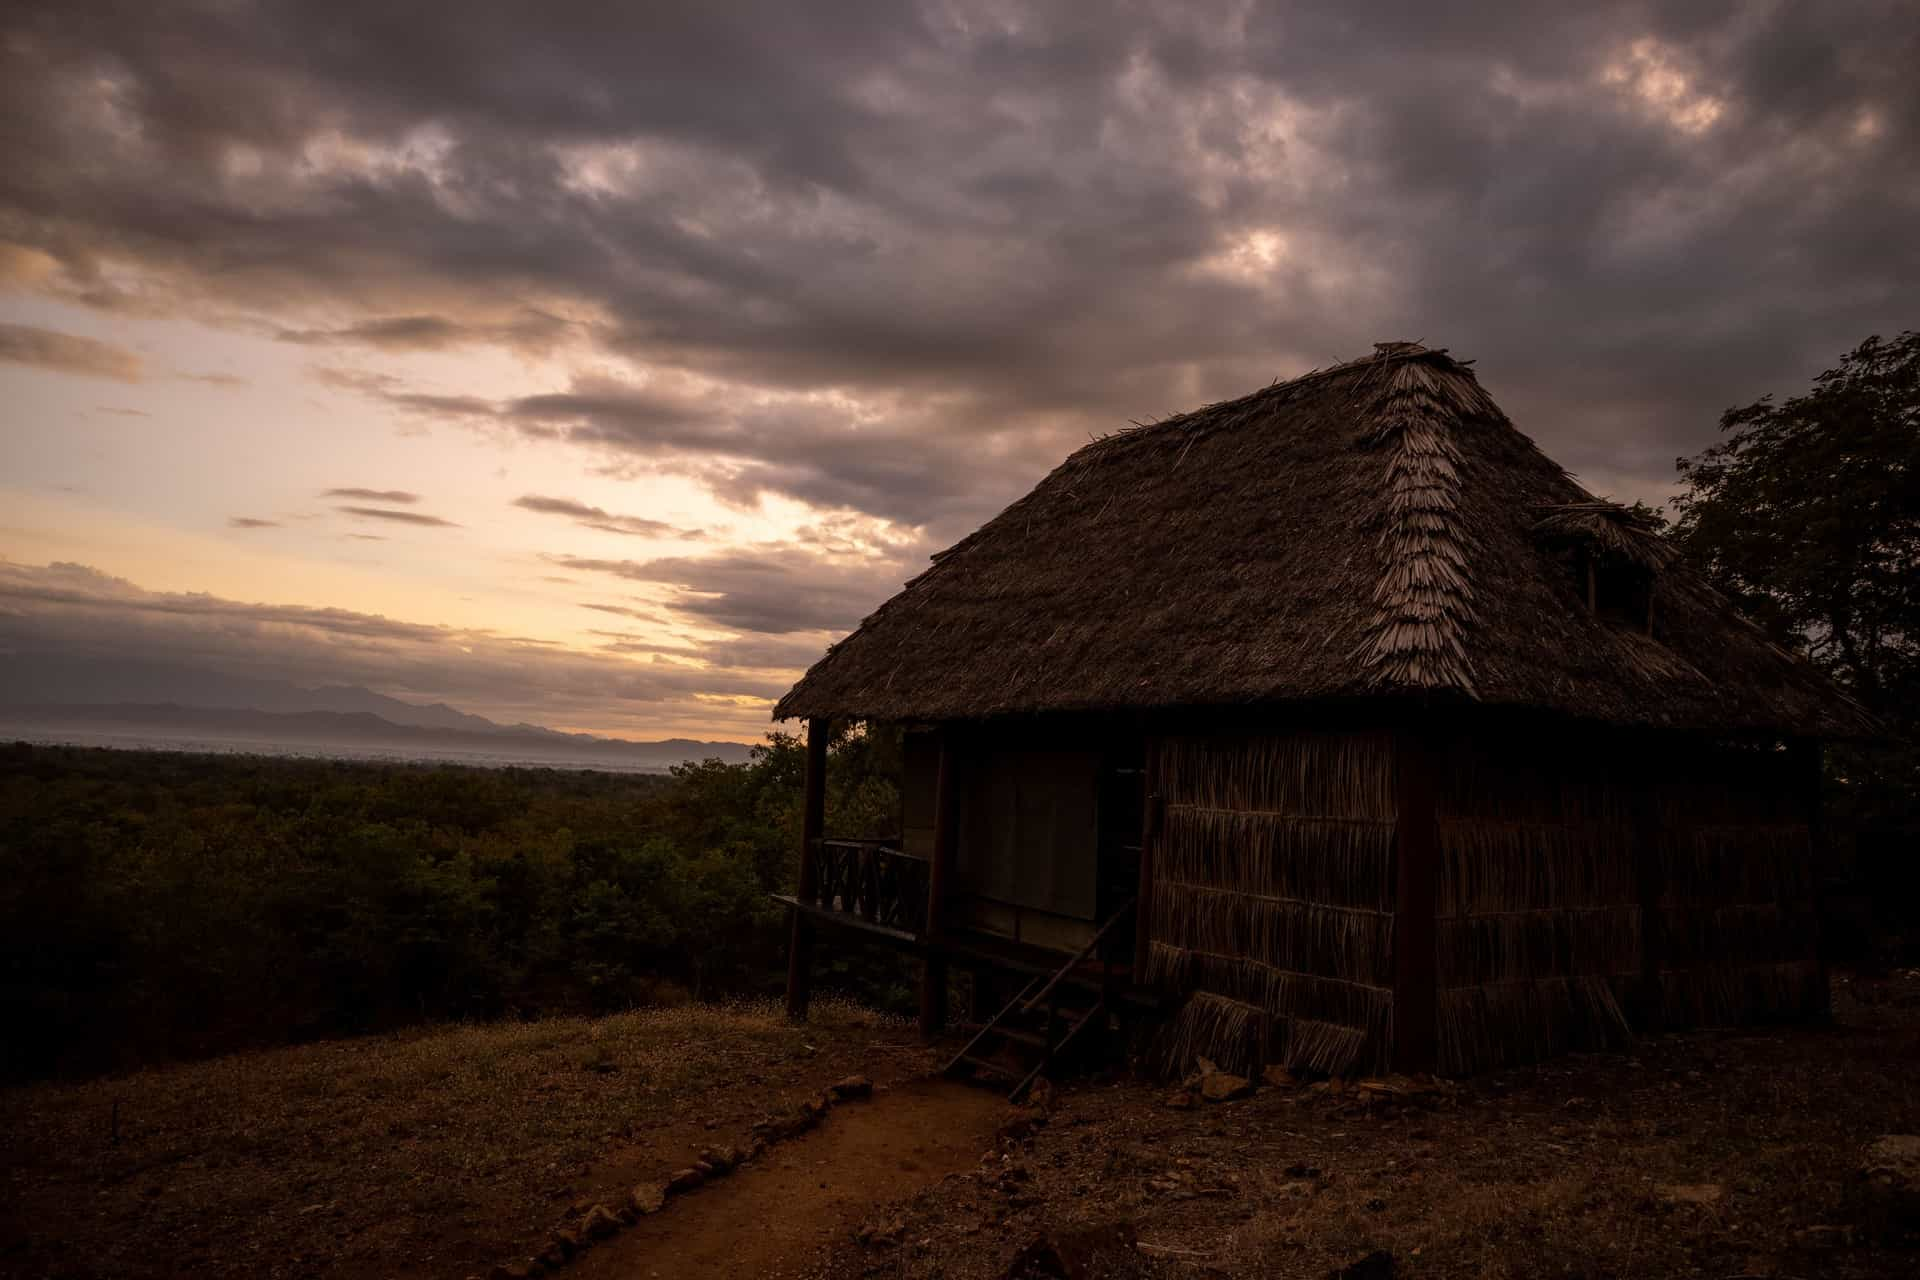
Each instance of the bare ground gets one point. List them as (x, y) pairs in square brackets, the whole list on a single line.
[(438, 1153), (1713, 1154)]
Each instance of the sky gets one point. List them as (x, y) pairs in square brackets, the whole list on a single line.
[(597, 365)]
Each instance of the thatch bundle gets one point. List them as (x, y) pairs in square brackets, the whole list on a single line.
[(1608, 530), (1538, 930), (1273, 893), (1423, 600)]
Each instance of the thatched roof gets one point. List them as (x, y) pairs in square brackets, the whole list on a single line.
[(1375, 528)]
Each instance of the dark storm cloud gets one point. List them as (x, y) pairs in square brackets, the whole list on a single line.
[(250, 522), (900, 258), (373, 495), (596, 518), (66, 353), (398, 517)]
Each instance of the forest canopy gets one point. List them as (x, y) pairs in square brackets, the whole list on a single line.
[(156, 906)]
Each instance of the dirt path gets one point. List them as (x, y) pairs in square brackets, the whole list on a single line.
[(775, 1216)]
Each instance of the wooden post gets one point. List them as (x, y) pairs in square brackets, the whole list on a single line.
[(1809, 767), (1417, 854), (1152, 809), (933, 967), (813, 815), (1650, 763)]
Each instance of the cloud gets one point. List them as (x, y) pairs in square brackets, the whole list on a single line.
[(66, 353), (398, 517), (79, 612), (930, 237), (774, 589), (249, 522), (596, 518), (529, 331), (373, 495)]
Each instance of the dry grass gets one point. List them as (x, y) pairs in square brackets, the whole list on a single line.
[(434, 1152)]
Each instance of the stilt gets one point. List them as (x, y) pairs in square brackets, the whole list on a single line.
[(933, 969), (812, 821)]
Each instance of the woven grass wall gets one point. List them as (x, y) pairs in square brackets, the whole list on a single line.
[(1738, 920), (1273, 900), (1537, 931)]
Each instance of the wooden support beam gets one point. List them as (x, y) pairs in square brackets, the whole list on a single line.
[(1809, 772), (1416, 767), (1152, 809), (813, 813), (933, 968), (1645, 768)]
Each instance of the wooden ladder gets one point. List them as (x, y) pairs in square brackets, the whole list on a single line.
[(1037, 1026)]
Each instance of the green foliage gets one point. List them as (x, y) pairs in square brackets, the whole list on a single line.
[(156, 906), (1808, 516)]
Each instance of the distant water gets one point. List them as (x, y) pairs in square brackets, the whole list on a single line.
[(135, 738)]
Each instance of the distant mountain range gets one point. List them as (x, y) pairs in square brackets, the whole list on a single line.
[(51, 690)]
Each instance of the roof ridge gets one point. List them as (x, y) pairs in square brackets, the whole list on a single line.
[(1423, 601), (1384, 353)]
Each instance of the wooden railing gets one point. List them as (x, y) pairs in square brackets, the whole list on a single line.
[(873, 880)]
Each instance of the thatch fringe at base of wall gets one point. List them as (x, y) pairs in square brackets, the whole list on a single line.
[(1311, 1022), (1499, 1023), (1730, 996)]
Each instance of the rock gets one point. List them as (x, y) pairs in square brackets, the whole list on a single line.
[(1079, 1253), (1700, 1193), (567, 1240), (648, 1197), (1279, 1078), (1822, 1238), (1222, 1087), (851, 1087), (684, 1180), (1181, 1100), (1298, 1190), (1016, 1130), (509, 1271), (880, 1233), (1377, 1265), (599, 1223), (720, 1160), (1890, 1179), (1040, 1096)]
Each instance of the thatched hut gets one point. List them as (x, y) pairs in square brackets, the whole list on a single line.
[(1376, 740)]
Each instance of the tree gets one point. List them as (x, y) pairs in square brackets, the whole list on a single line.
[(1808, 516)]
